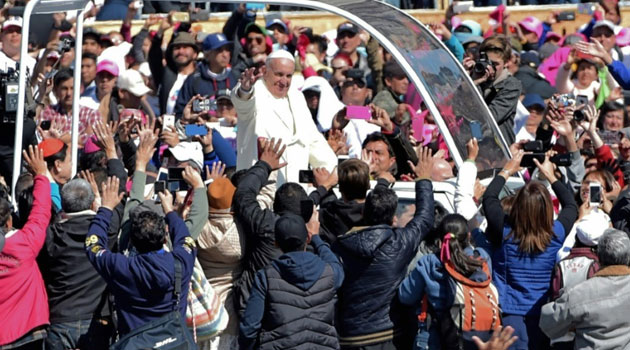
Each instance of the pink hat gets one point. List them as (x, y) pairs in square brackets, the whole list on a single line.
[(455, 22), (532, 24), (623, 38), (552, 35), (91, 145), (107, 66)]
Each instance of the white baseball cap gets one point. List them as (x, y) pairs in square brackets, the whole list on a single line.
[(188, 151), (591, 227), (132, 81), (13, 21)]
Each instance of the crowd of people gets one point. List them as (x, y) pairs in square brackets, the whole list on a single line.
[(234, 190)]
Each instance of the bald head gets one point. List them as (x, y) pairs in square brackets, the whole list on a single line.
[(278, 74), (441, 170)]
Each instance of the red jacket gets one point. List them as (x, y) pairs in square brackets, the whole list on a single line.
[(23, 299), (604, 154)]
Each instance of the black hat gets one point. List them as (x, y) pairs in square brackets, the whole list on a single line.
[(291, 234), (356, 74), (347, 27), (393, 70), (530, 59)]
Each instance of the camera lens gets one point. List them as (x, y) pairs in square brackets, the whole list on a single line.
[(578, 115)]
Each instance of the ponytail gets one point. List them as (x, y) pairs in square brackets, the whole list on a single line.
[(455, 230)]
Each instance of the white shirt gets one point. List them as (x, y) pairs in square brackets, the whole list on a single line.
[(6, 62), (172, 95), (356, 131)]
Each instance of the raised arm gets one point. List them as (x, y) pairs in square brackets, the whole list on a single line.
[(35, 228)]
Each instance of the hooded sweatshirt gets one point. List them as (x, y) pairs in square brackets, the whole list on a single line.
[(205, 83)]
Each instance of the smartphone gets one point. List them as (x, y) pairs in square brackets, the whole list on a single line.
[(563, 159), (358, 112), (168, 120), (475, 130), (176, 173), (533, 146), (306, 176), (566, 16), (159, 187), (594, 194), (462, 6), (581, 100), (162, 174), (528, 159), (202, 105), (45, 124), (586, 8), (196, 130), (180, 17), (306, 209), (173, 186), (417, 125), (610, 137)]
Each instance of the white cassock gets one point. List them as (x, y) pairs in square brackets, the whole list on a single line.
[(287, 118)]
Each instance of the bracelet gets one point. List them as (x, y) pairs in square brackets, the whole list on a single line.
[(506, 172)]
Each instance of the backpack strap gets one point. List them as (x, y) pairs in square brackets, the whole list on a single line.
[(450, 268), (178, 282)]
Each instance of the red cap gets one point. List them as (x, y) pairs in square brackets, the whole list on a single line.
[(51, 146)]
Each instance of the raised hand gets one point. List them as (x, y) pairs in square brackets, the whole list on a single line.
[(105, 139), (425, 163), (514, 164), (34, 159), (111, 197), (547, 168), (170, 136), (218, 171), (272, 152), (166, 198), (145, 150), (248, 78), (501, 339), (89, 177), (473, 149), (192, 177), (381, 118), (325, 178)]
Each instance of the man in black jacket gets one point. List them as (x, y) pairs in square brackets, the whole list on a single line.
[(375, 261), (79, 310), (258, 224), (180, 58)]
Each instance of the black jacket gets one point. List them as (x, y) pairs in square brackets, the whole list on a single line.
[(620, 213), (258, 225), (164, 76), (502, 96), (75, 289), (375, 262), (533, 83)]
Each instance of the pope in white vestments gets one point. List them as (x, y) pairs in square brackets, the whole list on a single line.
[(270, 108)]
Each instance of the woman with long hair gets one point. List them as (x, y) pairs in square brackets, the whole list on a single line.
[(430, 278), (526, 240)]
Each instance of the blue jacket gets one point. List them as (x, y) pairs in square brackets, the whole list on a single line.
[(142, 285), (621, 74), (430, 278), (375, 261), (200, 82), (523, 280), (301, 269)]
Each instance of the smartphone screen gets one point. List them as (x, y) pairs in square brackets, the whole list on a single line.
[(159, 187), (306, 209), (581, 100), (176, 173), (306, 176), (595, 194), (528, 159), (45, 124), (358, 112), (173, 186), (168, 120), (475, 130)]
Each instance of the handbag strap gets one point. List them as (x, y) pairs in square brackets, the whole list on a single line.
[(178, 282)]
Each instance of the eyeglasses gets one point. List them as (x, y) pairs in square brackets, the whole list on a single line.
[(346, 35), (349, 83), (259, 40)]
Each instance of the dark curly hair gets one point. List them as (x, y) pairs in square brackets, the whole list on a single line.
[(147, 231)]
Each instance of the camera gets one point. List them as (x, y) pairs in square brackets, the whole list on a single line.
[(204, 105), (9, 88), (482, 63), (65, 44), (579, 115), (563, 100)]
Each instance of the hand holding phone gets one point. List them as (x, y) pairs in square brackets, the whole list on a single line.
[(168, 121), (594, 194), (306, 176), (358, 112)]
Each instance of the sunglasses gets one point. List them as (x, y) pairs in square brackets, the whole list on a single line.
[(349, 83), (346, 35), (259, 40)]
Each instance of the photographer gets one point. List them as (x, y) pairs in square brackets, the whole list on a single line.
[(499, 88)]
